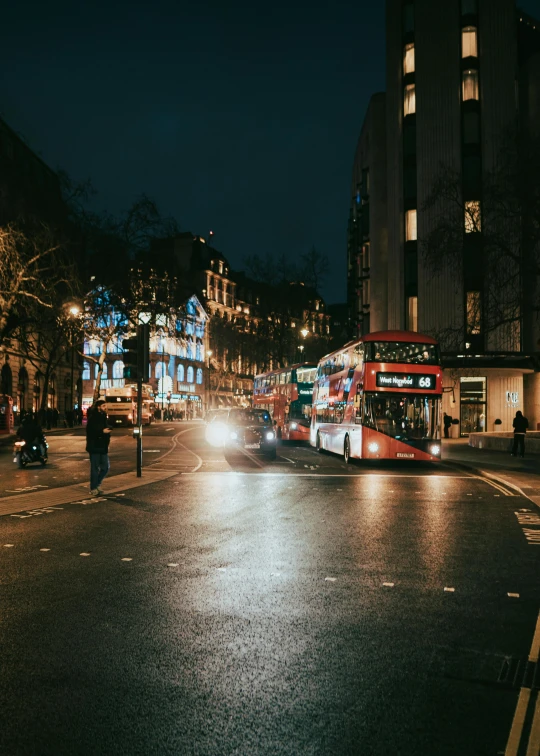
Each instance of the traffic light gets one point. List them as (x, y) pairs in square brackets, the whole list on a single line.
[(137, 355), (131, 358)]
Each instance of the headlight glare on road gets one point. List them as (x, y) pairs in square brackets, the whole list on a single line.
[(373, 447), (216, 434), (269, 436), (435, 450)]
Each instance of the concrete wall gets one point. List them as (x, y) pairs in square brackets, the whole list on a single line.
[(503, 442)]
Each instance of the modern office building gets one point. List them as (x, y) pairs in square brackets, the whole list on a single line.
[(463, 90)]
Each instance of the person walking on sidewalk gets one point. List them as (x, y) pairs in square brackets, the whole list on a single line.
[(520, 425), (98, 437)]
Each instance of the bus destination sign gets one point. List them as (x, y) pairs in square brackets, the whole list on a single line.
[(404, 380)]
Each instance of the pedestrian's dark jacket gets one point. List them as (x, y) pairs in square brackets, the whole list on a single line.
[(520, 424), (447, 421), (97, 442)]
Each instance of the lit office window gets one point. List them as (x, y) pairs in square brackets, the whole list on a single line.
[(473, 217), (471, 89), (474, 313), (408, 59), (410, 225), (412, 313), (409, 100), (469, 42)]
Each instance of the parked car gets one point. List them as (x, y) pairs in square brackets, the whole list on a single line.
[(250, 430)]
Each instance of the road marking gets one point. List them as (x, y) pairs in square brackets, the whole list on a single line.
[(535, 648), (513, 595), (449, 590), (151, 451), (172, 564), (325, 475), (44, 549), (330, 579), (126, 559), (84, 553), (389, 585), (9, 545), (534, 738), (518, 722), (221, 569), (487, 479), (288, 460)]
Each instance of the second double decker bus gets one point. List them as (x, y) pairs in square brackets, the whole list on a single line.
[(379, 397), (287, 394)]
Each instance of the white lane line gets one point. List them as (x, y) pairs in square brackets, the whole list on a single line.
[(126, 559), (513, 595), (535, 648), (449, 590), (44, 549), (325, 475), (330, 579), (517, 725), (172, 564), (84, 553), (9, 545), (388, 585), (534, 737)]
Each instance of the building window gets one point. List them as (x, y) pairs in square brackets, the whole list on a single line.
[(473, 217), (408, 18), (410, 225), (409, 100), (471, 89), (471, 128), (366, 293), (365, 257), (474, 313), (469, 7), (190, 374), (103, 374), (160, 370), (180, 373), (408, 59), (199, 375), (469, 42), (86, 371), (412, 313), (118, 369)]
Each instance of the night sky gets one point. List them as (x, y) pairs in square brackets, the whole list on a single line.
[(240, 117)]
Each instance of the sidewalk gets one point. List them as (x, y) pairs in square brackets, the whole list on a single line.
[(523, 473)]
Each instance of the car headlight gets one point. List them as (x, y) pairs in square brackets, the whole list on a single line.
[(294, 426), (269, 436), (215, 434), (233, 435), (373, 447), (435, 450)]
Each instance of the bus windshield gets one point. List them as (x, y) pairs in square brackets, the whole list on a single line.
[(402, 417), (402, 351), (306, 374)]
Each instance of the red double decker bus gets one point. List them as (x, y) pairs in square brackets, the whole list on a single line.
[(287, 394), (379, 397)]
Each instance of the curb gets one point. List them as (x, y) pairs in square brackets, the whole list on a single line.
[(496, 478)]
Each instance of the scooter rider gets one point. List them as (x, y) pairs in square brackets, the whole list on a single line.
[(31, 432)]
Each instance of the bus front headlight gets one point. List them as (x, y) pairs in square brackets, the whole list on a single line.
[(373, 447), (270, 436), (294, 426), (435, 450)]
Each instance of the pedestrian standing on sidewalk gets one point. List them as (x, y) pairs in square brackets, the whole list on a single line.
[(98, 437), (520, 425), (447, 423)]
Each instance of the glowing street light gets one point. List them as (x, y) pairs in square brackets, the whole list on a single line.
[(304, 332)]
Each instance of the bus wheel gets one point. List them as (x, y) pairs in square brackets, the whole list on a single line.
[(347, 450), (318, 443)]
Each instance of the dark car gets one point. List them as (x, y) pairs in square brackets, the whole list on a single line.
[(252, 430)]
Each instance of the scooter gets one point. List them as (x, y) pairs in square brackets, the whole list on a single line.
[(24, 453)]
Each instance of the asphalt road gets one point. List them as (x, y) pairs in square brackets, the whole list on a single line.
[(296, 607)]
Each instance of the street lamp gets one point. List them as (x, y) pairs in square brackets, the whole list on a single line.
[(73, 313)]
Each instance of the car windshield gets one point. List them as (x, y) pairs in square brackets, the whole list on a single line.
[(249, 417)]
